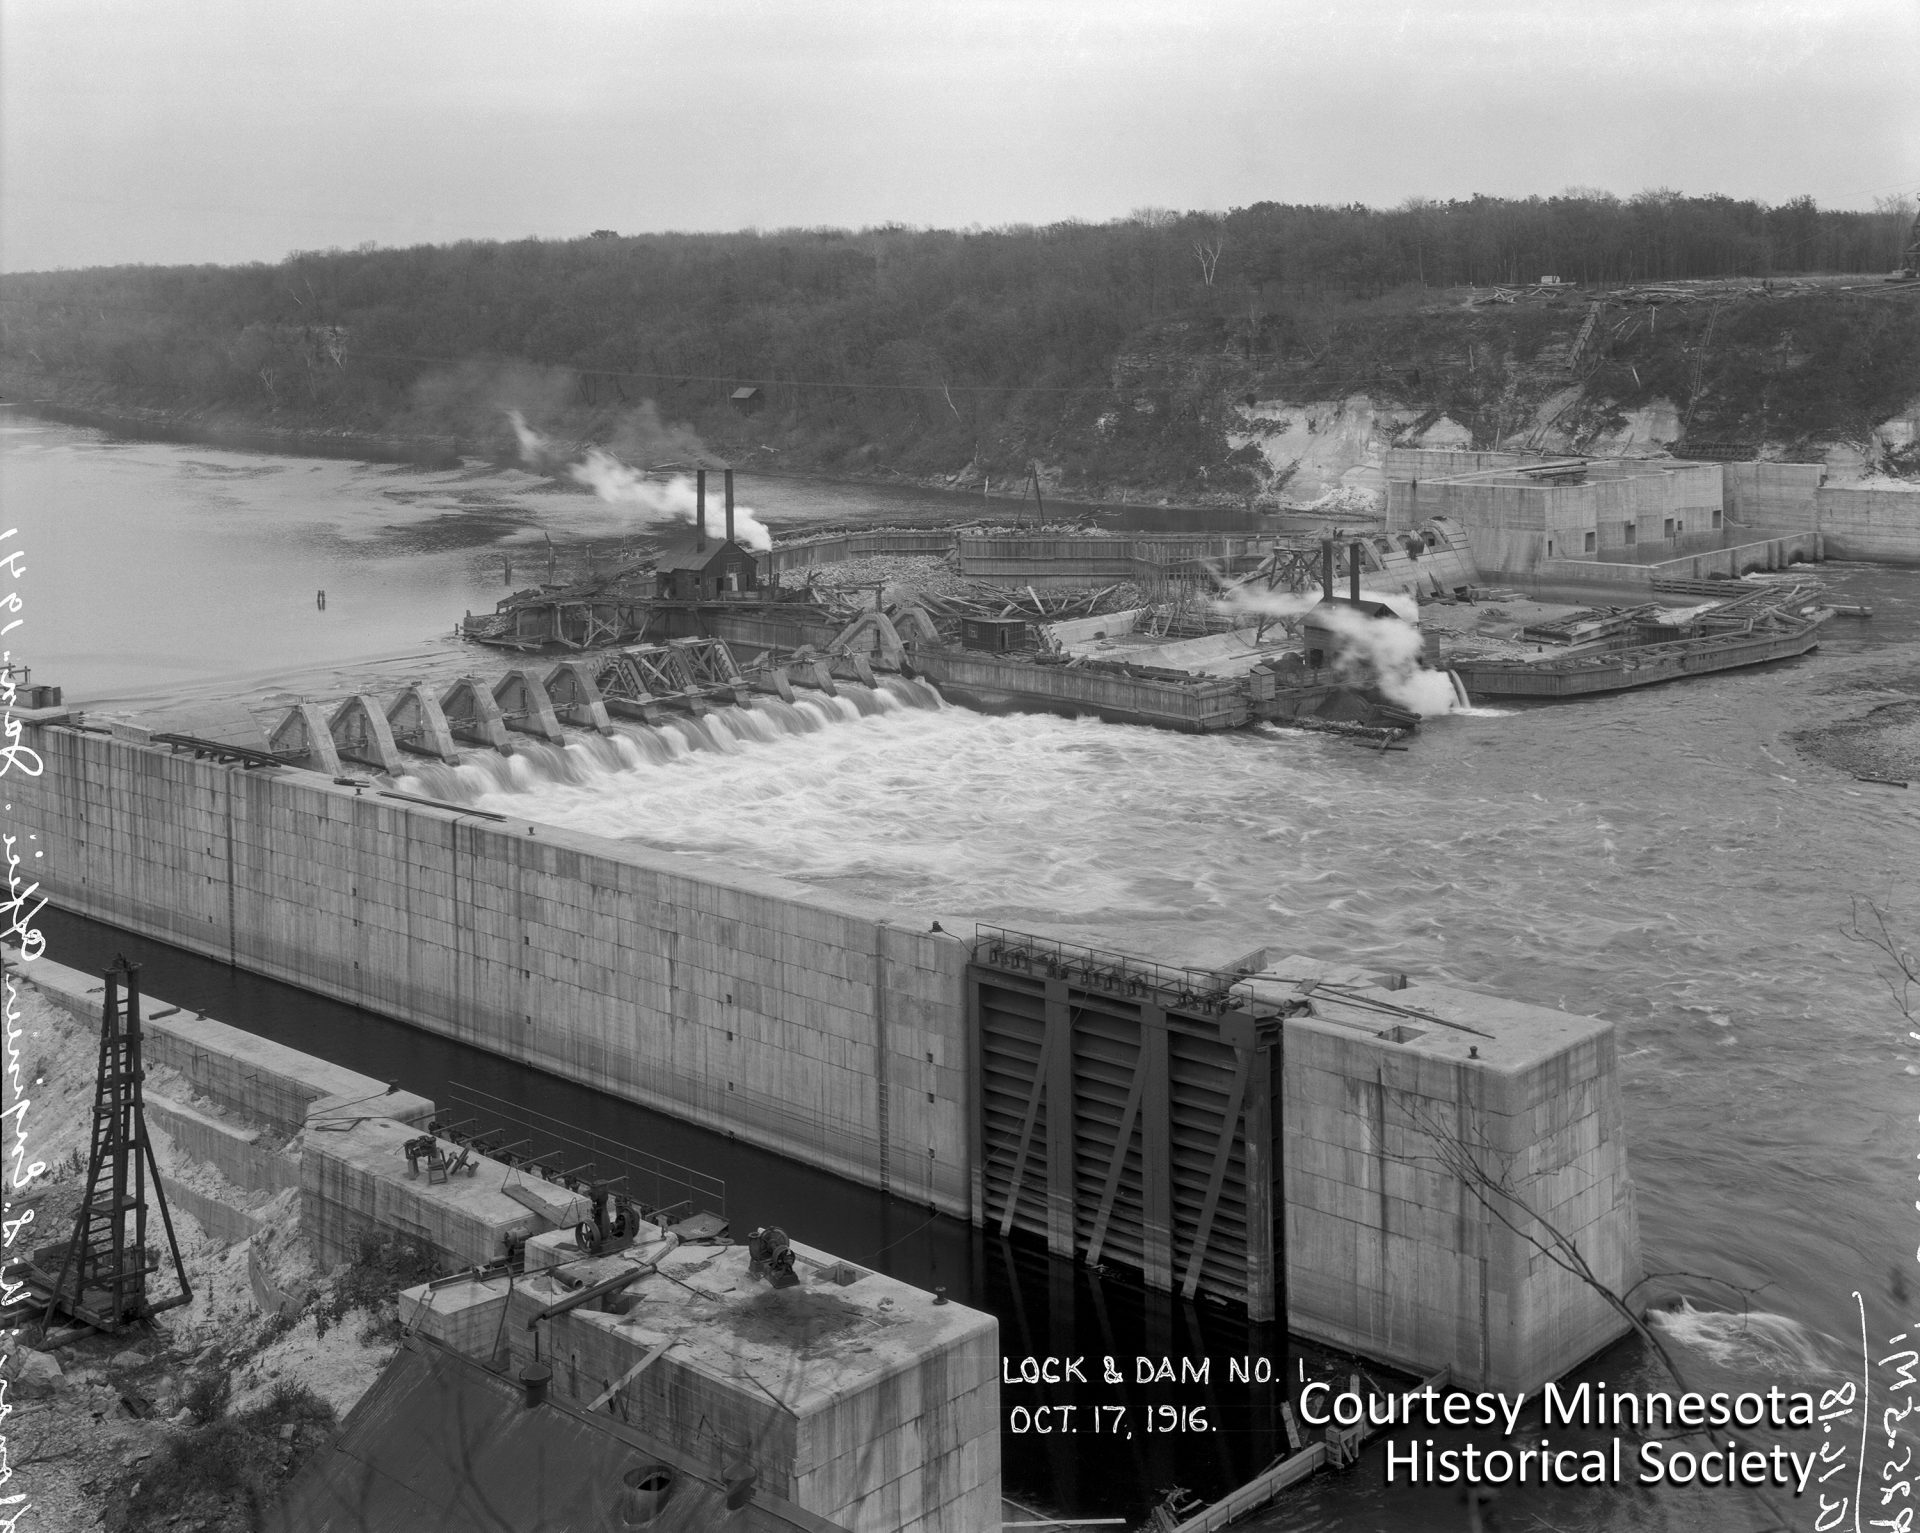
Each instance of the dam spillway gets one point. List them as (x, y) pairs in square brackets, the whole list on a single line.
[(834, 1029)]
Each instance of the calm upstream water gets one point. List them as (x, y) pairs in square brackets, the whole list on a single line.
[(1666, 860)]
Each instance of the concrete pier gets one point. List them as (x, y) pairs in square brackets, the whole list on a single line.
[(1434, 1170)]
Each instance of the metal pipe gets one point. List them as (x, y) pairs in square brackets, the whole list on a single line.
[(729, 505), (601, 1290), (700, 510), (1326, 569), (1353, 571)]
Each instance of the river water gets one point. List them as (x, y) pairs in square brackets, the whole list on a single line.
[(1666, 859)]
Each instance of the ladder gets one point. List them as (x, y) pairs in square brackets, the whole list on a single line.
[(103, 1275), (1586, 330), (1698, 374)]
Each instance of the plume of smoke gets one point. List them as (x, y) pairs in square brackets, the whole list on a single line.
[(609, 475), (466, 400), (1388, 647), (1276, 605), (642, 437), (1391, 647), (536, 451), (676, 498)]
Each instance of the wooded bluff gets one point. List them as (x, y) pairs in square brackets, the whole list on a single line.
[(1119, 355)]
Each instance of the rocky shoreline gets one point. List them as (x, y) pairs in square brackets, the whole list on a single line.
[(1882, 745)]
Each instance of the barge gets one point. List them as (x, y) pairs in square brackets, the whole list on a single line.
[(1749, 631)]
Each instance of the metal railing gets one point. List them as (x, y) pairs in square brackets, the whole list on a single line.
[(565, 1153), (1015, 952)]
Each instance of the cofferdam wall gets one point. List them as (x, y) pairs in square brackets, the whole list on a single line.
[(806, 1025)]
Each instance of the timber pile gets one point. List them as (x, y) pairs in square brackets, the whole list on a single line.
[(827, 532), (928, 574), (1584, 627)]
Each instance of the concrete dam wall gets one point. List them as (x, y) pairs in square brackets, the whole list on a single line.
[(808, 1026)]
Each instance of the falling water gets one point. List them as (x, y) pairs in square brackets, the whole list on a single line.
[(588, 758)]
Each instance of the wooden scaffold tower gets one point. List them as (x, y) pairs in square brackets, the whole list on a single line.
[(103, 1275)]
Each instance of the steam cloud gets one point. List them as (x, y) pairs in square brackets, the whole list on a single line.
[(1391, 646), (619, 484), (535, 449)]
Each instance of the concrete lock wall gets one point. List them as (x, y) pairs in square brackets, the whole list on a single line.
[(1426, 1183), (1870, 524), (807, 1025)]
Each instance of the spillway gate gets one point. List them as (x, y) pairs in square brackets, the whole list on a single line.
[(1130, 1113)]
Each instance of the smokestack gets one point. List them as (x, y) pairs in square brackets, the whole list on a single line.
[(1326, 569), (700, 510), (1353, 571), (729, 505)]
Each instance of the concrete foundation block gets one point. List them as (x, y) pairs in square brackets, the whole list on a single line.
[(354, 1181)]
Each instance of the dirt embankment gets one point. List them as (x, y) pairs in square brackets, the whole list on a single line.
[(1210, 408), (194, 1420)]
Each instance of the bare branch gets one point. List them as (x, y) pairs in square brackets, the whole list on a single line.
[(1495, 1194), (1871, 925)]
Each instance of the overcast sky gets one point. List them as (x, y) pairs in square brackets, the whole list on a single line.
[(239, 130)]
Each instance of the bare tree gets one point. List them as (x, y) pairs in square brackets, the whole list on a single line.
[(1486, 1173), (1208, 252)]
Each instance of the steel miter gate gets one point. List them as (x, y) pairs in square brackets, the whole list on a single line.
[(1130, 1114)]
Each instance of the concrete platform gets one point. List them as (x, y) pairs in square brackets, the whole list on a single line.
[(863, 1401), (354, 1182), (465, 1313), (250, 1158)]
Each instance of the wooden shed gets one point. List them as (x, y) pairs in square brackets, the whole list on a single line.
[(696, 568), (995, 635)]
